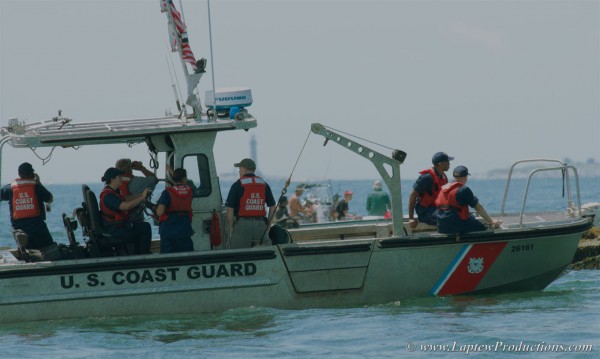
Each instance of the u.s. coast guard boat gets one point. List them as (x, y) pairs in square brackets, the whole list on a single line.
[(333, 264)]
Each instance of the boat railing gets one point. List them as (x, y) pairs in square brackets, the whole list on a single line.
[(564, 168)]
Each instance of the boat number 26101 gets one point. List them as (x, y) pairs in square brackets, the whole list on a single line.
[(521, 248)]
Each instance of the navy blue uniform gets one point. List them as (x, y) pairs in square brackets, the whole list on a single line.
[(251, 230), (176, 232), (449, 222), (35, 227), (140, 231), (237, 191), (425, 214)]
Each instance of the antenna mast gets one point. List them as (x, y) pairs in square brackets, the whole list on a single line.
[(178, 39)]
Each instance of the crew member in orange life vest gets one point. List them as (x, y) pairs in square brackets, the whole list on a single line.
[(453, 204), (115, 216), (246, 202), (132, 186), (175, 215), (426, 189), (26, 197)]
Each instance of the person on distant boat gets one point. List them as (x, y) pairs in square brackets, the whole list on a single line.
[(174, 208), (26, 196), (426, 189), (282, 216), (115, 213), (297, 210), (246, 212), (378, 201), (282, 213), (453, 204), (332, 215), (342, 209)]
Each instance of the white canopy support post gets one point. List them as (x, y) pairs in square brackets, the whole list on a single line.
[(192, 99), (3, 141), (392, 180)]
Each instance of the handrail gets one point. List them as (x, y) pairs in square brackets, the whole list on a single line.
[(569, 202), (524, 161)]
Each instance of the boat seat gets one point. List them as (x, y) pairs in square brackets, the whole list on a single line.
[(70, 225), (101, 243)]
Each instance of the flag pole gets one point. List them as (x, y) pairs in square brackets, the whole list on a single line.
[(178, 39), (212, 61)]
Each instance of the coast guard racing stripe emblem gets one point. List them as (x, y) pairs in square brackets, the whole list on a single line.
[(468, 268)]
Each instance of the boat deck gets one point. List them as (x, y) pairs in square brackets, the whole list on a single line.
[(383, 228), (534, 219)]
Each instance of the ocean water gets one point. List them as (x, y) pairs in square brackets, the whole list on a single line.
[(561, 321), (563, 317)]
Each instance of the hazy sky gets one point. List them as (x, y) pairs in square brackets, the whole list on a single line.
[(489, 82)]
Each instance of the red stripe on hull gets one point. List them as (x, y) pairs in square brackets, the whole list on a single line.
[(473, 267)]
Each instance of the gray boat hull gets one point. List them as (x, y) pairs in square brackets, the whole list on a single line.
[(292, 276)]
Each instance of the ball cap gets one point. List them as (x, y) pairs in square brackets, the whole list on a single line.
[(26, 169), (440, 157), (461, 171), (111, 173), (348, 192), (246, 163)]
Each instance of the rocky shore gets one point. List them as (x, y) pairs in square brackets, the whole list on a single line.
[(588, 253)]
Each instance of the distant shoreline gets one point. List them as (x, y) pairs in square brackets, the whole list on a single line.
[(590, 169), (475, 177)]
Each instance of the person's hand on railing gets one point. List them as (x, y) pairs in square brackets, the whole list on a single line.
[(494, 224)]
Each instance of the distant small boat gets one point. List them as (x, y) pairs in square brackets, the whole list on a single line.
[(319, 199)]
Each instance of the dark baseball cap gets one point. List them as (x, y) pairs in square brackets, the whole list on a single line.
[(110, 174), (460, 171), (26, 169), (179, 174), (440, 157), (246, 163)]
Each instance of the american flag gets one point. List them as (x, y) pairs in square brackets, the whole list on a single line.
[(180, 35)]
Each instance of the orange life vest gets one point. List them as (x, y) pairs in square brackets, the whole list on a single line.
[(25, 203), (108, 215), (426, 199), (124, 188), (252, 203), (447, 200), (181, 201)]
